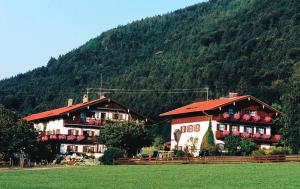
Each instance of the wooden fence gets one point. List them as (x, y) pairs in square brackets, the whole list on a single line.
[(212, 160)]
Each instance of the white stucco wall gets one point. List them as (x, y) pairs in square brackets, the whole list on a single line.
[(53, 125), (203, 128), (187, 135), (63, 147)]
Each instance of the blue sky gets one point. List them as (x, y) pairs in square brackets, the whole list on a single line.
[(32, 31)]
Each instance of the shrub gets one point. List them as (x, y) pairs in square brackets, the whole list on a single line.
[(278, 150), (158, 143), (112, 154), (232, 144), (247, 146), (259, 152)]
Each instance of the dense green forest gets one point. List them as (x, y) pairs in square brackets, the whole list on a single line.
[(247, 46)]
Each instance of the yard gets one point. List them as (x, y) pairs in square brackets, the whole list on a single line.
[(276, 175)]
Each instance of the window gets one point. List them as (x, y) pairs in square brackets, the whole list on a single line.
[(183, 129), (58, 131), (72, 148), (116, 116), (89, 133), (221, 127), (190, 128), (73, 132), (197, 128), (234, 128), (103, 116), (248, 129), (260, 130), (252, 113)]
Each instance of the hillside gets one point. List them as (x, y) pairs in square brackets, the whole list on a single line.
[(247, 46)]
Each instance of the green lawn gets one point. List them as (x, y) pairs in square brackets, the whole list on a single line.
[(285, 175)]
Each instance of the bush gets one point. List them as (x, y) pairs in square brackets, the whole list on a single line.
[(112, 154), (232, 144), (180, 153), (247, 146), (272, 151), (278, 150), (260, 152)]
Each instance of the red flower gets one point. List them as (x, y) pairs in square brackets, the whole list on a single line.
[(62, 137), (246, 135), (268, 119), (246, 117), (225, 115), (256, 118), (265, 136), (256, 135), (80, 138), (237, 116), (235, 133), (225, 133)]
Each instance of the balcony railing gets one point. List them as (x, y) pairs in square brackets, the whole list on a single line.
[(87, 122), (243, 118), (220, 135), (61, 138)]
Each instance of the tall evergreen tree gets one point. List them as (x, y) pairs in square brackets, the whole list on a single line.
[(291, 116), (208, 141)]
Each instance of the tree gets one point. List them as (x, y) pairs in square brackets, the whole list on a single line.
[(291, 116), (129, 136), (208, 141), (16, 136), (158, 143)]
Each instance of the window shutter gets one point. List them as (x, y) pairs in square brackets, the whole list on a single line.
[(77, 132), (76, 148), (69, 132)]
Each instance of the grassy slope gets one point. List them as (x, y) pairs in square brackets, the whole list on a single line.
[(161, 176)]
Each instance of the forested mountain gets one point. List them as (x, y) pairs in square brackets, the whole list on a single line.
[(247, 46)]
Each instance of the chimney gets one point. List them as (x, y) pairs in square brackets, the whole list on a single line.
[(70, 102), (232, 95), (85, 98)]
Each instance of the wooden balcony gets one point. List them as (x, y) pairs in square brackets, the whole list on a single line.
[(90, 122), (259, 138), (243, 118), (61, 138)]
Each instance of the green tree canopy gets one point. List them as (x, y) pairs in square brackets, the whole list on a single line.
[(129, 136), (15, 135)]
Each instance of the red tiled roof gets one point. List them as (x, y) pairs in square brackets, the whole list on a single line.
[(211, 105), (58, 111)]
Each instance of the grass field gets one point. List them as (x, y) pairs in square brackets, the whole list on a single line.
[(280, 175)]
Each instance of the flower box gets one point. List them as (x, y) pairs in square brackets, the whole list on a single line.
[(225, 115), (236, 133), (62, 137), (246, 117), (268, 119), (237, 116), (256, 118), (246, 135)]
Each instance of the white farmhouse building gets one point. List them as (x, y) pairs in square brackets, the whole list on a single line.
[(244, 116), (75, 128)]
